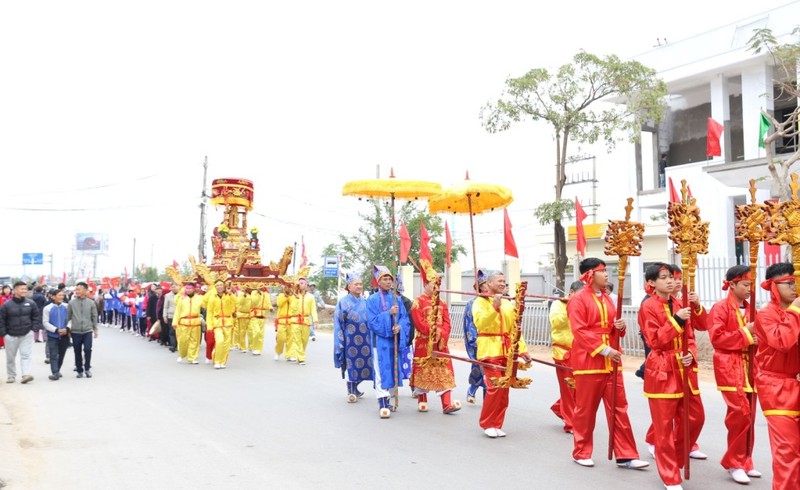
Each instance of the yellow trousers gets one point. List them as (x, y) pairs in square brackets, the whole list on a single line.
[(256, 333), (188, 342), (222, 344), (240, 334), (282, 341), (300, 333)]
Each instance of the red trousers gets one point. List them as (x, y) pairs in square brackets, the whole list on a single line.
[(737, 421), (210, 343), (589, 390), (564, 406), (784, 439), (650, 437), (667, 415), (495, 403)]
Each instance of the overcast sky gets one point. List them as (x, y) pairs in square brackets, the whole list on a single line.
[(108, 108)]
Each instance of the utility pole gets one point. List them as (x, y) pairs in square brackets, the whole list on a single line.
[(201, 246), (51, 265), (133, 265)]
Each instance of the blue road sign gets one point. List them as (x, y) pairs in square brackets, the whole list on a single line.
[(32, 259), (331, 267)]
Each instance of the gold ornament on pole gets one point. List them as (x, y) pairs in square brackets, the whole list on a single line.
[(751, 226), (783, 225), (690, 235), (510, 379)]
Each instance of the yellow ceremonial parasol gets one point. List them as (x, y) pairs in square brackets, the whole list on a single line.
[(471, 198), (391, 188)]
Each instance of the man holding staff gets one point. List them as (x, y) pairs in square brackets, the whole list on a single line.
[(591, 316)]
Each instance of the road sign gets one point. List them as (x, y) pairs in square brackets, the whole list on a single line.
[(32, 259), (331, 267)]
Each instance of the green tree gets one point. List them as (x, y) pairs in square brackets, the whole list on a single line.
[(576, 101), (149, 274), (784, 59), (373, 243)]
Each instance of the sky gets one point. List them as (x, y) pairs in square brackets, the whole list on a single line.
[(107, 110)]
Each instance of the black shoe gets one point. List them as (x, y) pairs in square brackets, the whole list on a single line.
[(47, 361), (54, 377), (88, 373), (639, 374), (80, 375)]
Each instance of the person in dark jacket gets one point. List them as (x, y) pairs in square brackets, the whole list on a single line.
[(19, 318), (40, 300)]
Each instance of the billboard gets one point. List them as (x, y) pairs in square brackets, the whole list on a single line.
[(91, 242)]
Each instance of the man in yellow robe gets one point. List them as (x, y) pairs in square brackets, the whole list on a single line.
[(243, 308), (283, 323), (220, 306), (261, 304), (187, 324), (303, 313)]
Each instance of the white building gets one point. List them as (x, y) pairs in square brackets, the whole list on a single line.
[(712, 74)]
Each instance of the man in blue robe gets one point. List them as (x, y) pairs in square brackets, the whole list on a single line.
[(388, 322), (352, 350), (471, 343)]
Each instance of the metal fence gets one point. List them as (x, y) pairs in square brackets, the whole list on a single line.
[(711, 272), (536, 326)]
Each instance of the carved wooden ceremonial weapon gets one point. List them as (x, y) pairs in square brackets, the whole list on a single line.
[(510, 380), (690, 236), (783, 225), (434, 372), (751, 226), (623, 239)]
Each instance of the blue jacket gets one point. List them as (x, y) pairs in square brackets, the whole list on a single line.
[(54, 316)]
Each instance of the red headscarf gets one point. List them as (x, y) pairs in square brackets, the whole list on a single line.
[(772, 286), (727, 284), (587, 276)]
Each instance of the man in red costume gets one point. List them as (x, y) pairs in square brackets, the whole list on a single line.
[(420, 310), (662, 321), (731, 333), (592, 318), (777, 328)]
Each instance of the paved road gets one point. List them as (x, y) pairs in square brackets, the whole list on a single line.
[(144, 421)]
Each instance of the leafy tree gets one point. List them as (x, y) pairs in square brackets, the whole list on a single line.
[(373, 244), (149, 274), (576, 101), (784, 57)]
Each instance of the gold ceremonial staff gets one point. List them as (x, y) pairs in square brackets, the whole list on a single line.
[(783, 226), (751, 226), (623, 239), (690, 236), (510, 380)]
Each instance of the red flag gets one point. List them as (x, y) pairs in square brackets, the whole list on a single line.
[(510, 246), (713, 147), (303, 258), (405, 243), (580, 238), (41, 280), (673, 194), (448, 244), (175, 264), (424, 248), (64, 278)]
